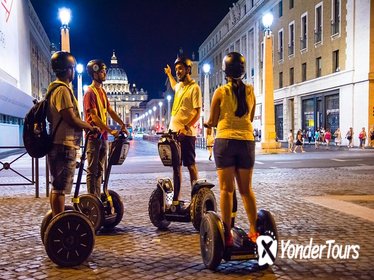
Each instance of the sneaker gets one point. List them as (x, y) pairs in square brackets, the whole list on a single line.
[(253, 237), (294, 152), (303, 151)]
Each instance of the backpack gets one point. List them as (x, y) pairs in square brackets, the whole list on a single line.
[(37, 141)]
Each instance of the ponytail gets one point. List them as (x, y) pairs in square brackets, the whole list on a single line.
[(238, 88)]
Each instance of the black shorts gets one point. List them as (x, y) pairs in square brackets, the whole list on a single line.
[(187, 149), (234, 153)]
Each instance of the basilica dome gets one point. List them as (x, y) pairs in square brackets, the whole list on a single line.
[(114, 72)]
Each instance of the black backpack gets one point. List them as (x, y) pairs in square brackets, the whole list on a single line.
[(36, 139)]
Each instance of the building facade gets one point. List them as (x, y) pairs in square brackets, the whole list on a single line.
[(24, 67), (123, 97), (323, 55)]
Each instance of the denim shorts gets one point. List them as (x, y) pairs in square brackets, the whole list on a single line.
[(62, 164), (234, 153)]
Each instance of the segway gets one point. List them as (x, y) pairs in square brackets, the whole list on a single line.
[(161, 210), (69, 237), (214, 249), (106, 211)]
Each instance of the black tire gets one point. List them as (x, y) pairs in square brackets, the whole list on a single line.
[(47, 218), (118, 208), (155, 210), (266, 226), (69, 239), (91, 206), (211, 243), (202, 202)]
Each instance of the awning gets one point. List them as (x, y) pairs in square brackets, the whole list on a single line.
[(13, 101)]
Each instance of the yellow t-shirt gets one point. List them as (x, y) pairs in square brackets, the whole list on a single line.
[(186, 99), (61, 98), (230, 126)]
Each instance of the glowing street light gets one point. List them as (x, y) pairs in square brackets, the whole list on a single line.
[(268, 134), (168, 99), (80, 69), (206, 70), (160, 122), (65, 16)]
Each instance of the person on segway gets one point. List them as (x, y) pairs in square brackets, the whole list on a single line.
[(185, 113), (96, 108), (66, 124), (232, 112)]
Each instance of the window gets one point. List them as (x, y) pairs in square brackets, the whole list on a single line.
[(335, 61), (280, 79), (280, 8), (318, 24), (318, 67), (291, 38), (280, 44), (292, 76), (303, 72), (304, 32), (291, 4), (335, 17)]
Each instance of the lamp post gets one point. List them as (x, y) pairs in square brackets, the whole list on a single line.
[(160, 122), (268, 134), (80, 90), (149, 118), (206, 70), (168, 98), (65, 16), (154, 113)]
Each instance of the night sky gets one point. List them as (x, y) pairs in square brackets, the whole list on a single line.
[(146, 34)]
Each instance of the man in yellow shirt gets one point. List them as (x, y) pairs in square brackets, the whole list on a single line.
[(185, 113)]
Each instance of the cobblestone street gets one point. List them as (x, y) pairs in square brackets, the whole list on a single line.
[(136, 250)]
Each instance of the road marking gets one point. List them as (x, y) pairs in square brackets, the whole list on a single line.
[(339, 159), (339, 203), (258, 162)]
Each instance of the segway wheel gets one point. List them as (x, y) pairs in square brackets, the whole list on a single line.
[(155, 210), (91, 206), (266, 224), (118, 208), (47, 218), (69, 239), (211, 242), (202, 202)]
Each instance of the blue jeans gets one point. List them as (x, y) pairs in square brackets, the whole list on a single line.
[(62, 163), (96, 157)]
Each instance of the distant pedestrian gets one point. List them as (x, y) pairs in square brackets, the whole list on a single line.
[(309, 135), (290, 141), (316, 138), (362, 136), (349, 137), (338, 137), (299, 142), (371, 141), (327, 138), (209, 141)]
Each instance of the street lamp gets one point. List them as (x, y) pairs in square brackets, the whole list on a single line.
[(65, 15), (80, 90), (160, 122), (268, 134), (168, 98), (149, 118), (206, 70)]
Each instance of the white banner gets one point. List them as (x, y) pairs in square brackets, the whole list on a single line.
[(9, 54)]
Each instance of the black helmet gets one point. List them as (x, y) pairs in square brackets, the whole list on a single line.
[(95, 66), (233, 65), (185, 61), (61, 61)]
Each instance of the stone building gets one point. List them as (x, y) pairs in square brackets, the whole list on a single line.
[(323, 60), (123, 97)]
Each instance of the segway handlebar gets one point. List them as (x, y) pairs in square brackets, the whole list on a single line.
[(168, 134)]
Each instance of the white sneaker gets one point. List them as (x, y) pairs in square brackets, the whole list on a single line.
[(294, 152), (303, 151)]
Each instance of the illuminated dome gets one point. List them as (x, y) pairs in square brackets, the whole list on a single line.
[(114, 72)]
